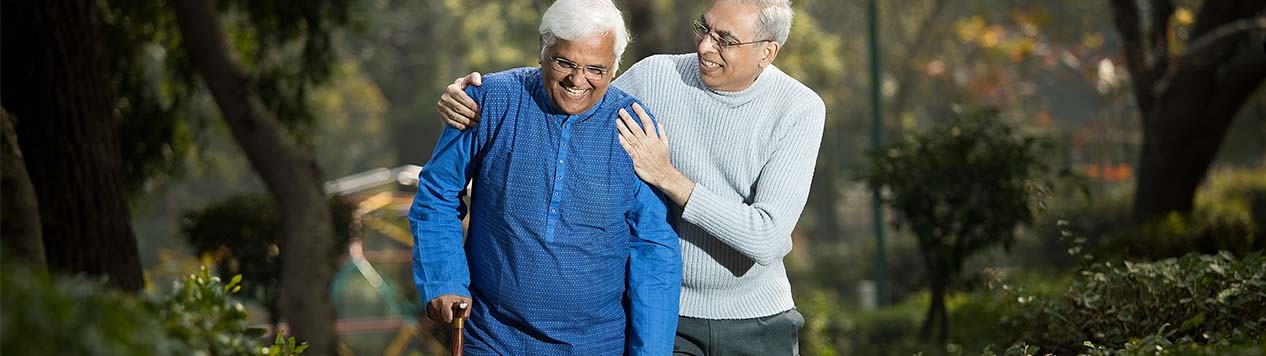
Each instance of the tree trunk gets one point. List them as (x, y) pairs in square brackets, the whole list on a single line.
[(936, 324), (59, 86), (307, 244), (20, 228), (1186, 101)]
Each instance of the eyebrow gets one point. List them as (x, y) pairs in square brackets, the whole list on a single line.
[(724, 33)]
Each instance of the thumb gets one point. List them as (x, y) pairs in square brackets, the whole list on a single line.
[(476, 78)]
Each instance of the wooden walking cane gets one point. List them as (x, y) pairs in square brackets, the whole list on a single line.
[(459, 323)]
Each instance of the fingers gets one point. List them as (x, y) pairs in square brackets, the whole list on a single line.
[(448, 313), (440, 309), (647, 124), (622, 126), (475, 78), (448, 117), (458, 103), (458, 108), (628, 148), (663, 133), (630, 125)]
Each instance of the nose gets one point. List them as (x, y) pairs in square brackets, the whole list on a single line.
[(704, 44), (576, 79)]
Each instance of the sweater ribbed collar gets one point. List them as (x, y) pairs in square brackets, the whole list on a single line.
[(734, 99)]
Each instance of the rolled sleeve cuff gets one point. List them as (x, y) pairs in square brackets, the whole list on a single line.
[(435, 290)]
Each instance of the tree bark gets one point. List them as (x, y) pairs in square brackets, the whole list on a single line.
[(1186, 102), (59, 86), (20, 228), (292, 176)]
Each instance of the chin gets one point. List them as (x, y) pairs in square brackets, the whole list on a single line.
[(574, 108)]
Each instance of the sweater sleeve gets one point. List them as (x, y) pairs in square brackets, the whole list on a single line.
[(761, 230)]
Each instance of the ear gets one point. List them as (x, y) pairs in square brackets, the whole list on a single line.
[(769, 53), (540, 57)]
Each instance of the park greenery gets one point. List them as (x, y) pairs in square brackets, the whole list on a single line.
[(48, 315), (1068, 177)]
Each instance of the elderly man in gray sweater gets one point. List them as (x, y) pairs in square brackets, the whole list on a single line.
[(745, 140)]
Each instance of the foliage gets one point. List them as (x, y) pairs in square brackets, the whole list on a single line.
[(1192, 300), (1229, 215), (241, 235), (47, 315), (961, 187), (73, 316), (288, 47)]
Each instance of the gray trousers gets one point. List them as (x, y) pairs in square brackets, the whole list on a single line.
[(774, 335)]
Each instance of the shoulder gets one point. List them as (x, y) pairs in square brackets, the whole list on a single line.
[(517, 80), (795, 94)]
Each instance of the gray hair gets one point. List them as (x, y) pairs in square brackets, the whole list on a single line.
[(775, 19), (576, 19)]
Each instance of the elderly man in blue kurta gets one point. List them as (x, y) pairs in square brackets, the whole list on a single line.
[(568, 252)]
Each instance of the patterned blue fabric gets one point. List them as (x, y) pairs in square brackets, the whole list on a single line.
[(568, 252)]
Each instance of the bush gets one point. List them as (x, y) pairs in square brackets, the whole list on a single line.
[(49, 315), (1173, 303)]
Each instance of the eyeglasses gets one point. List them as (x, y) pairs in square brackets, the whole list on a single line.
[(564, 65), (702, 30)]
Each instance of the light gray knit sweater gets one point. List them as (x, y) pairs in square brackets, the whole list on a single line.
[(751, 154)]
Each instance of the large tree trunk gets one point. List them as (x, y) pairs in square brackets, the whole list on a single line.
[(1187, 101), (292, 176), (58, 84), (20, 227)]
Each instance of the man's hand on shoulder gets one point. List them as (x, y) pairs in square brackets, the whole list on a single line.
[(440, 309), (647, 145), (455, 107)]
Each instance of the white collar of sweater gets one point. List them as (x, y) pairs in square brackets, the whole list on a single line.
[(736, 99)]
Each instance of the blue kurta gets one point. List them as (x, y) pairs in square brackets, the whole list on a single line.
[(568, 252)]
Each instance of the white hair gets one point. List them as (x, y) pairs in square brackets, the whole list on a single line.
[(577, 19), (775, 19)]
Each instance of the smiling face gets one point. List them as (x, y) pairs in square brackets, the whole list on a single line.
[(570, 90), (734, 68)]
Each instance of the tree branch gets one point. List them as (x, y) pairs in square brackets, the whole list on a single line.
[(1220, 33), (1197, 54), (1238, 80), (1162, 11), (914, 50), (1125, 14), (1216, 13)]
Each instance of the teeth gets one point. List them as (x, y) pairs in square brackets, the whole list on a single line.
[(710, 64), (575, 93)]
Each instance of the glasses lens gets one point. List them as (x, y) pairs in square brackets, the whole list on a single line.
[(594, 73)]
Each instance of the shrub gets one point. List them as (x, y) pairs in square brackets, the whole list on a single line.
[(1189, 301), (50, 315)]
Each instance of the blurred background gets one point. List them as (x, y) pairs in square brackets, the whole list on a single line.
[(1063, 176)]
